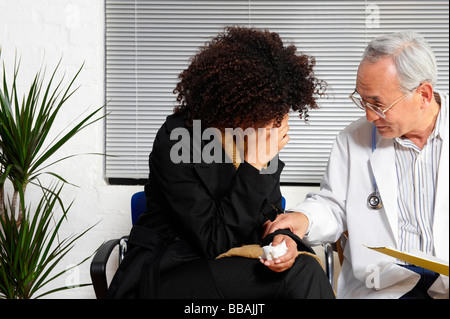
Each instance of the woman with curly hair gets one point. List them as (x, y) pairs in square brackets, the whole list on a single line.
[(205, 218)]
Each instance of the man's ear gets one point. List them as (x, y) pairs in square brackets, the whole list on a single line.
[(426, 93)]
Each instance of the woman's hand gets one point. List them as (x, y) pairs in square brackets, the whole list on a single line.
[(264, 145), (287, 260)]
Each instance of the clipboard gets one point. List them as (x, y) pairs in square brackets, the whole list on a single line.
[(416, 258)]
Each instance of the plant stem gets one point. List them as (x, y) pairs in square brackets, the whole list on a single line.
[(2, 202), (15, 199)]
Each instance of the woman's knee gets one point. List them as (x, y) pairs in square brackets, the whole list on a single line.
[(309, 263), (307, 279)]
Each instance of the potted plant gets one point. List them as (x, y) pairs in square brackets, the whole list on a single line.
[(30, 247)]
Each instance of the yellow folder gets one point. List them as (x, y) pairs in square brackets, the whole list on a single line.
[(418, 259)]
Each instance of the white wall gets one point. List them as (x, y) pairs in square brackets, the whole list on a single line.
[(41, 32)]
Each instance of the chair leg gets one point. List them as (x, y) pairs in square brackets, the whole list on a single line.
[(329, 263)]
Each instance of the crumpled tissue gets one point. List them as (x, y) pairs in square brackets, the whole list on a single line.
[(273, 252)]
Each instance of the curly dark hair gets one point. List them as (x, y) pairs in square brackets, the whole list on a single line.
[(245, 77)]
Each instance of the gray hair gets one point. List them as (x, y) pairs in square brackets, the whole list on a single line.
[(412, 56)]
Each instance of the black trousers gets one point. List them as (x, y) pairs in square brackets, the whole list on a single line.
[(427, 278), (237, 278)]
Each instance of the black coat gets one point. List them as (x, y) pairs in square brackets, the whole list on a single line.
[(194, 210)]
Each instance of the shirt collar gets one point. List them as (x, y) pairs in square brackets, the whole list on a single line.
[(441, 121)]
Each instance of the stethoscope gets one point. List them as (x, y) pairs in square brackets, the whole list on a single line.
[(374, 199)]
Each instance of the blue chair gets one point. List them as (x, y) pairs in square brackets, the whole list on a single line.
[(138, 206), (98, 264)]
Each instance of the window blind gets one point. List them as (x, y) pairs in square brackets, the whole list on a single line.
[(148, 43)]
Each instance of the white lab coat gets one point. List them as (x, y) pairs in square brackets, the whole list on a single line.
[(341, 204)]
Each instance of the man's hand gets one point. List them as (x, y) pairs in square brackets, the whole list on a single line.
[(287, 260), (296, 222)]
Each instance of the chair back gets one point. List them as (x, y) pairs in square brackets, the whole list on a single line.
[(138, 205)]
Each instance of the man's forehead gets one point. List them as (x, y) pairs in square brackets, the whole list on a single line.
[(376, 79)]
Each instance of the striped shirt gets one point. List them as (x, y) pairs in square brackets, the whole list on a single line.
[(417, 175)]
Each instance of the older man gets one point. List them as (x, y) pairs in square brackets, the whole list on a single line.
[(387, 180)]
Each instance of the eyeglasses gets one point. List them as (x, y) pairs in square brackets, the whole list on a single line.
[(380, 109)]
